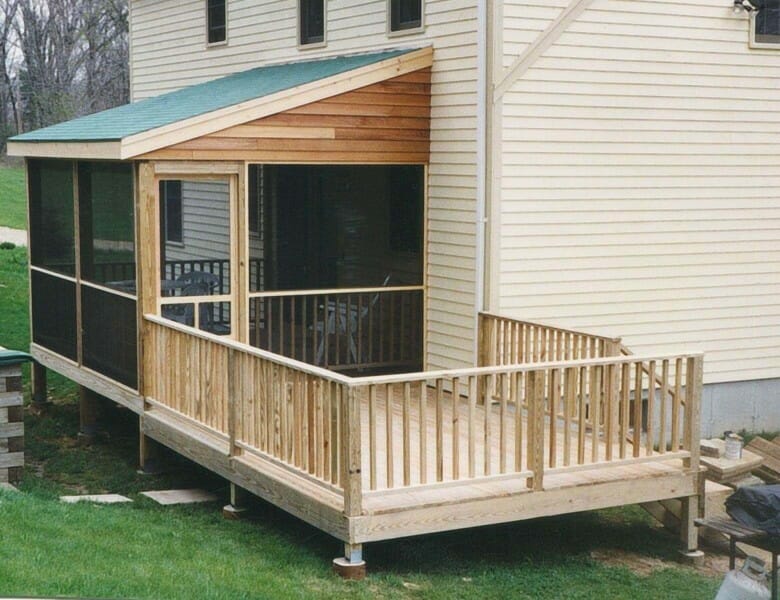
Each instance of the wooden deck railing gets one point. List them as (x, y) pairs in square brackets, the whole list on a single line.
[(475, 432), (261, 403), (399, 432), (507, 341)]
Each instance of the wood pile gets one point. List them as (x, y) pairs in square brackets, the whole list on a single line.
[(723, 470), (769, 469)]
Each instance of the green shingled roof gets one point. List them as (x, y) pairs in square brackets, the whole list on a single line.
[(131, 119)]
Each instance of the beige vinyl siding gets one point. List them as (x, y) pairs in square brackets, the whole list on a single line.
[(640, 180), (169, 52)]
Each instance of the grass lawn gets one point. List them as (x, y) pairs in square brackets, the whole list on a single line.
[(142, 550), (13, 206)]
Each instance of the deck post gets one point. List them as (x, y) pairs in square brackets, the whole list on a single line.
[(237, 509), (690, 505), (352, 565), (88, 415), (148, 456), (40, 401), (535, 400)]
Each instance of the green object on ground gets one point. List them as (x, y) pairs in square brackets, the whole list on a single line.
[(13, 357), (131, 119)]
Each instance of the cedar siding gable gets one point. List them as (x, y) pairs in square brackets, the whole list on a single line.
[(386, 122)]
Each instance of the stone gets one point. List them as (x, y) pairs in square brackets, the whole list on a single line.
[(96, 498), (170, 497)]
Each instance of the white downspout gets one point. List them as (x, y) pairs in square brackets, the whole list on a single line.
[(482, 176)]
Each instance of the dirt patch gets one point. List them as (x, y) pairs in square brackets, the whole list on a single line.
[(639, 564)]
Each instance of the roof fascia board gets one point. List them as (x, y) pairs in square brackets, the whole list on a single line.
[(238, 114), (108, 150)]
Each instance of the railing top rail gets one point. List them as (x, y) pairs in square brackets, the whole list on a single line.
[(246, 348), (518, 368), (553, 327), (337, 291)]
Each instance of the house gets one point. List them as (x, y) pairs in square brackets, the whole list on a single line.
[(368, 260)]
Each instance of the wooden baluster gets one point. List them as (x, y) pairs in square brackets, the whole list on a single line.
[(595, 410), (473, 392), (455, 428), (439, 429), (570, 398), (389, 433), (638, 387), (487, 388), (503, 386), (625, 393), (676, 404), (662, 415), (407, 434), (651, 382), (554, 395), (583, 415), (693, 384), (339, 392), (517, 397), (609, 409), (372, 434), (423, 431), (326, 432)]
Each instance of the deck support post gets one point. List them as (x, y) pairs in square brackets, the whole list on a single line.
[(689, 536), (237, 509), (88, 415), (352, 566), (40, 401), (148, 456)]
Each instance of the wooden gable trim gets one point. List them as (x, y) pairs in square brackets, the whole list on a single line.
[(384, 122)]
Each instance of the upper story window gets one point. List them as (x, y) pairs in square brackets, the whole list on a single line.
[(765, 25), (405, 15), (216, 17), (311, 22)]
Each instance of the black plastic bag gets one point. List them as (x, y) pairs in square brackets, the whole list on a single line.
[(756, 506)]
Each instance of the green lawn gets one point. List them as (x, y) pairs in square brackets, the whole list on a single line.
[(143, 550), (13, 206)]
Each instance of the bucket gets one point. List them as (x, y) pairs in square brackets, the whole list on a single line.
[(733, 450)]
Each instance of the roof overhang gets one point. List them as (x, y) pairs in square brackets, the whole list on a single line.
[(230, 116)]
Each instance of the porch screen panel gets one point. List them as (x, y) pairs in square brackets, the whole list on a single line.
[(106, 224), (52, 227), (54, 313), (109, 342)]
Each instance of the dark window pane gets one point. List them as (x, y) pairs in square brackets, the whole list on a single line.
[(109, 343), (336, 226), (170, 194), (405, 14), (768, 25), (54, 313), (217, 25), (312, 21), (52, 231), (107, 226)]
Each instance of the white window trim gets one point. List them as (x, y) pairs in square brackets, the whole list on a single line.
[(760, 45), (313, 45), (403, 32), (227, 29)]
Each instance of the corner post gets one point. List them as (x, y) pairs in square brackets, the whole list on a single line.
[(535, 401), (689, 538), (147, 266), (88, 415), (352, 565)]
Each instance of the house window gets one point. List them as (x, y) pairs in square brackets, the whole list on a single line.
[(311, 19), (765, 25), (217, 21), (170, 194), (405, 15)]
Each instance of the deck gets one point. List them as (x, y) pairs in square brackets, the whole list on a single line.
[(552, 422)]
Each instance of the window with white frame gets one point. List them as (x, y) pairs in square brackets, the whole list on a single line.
[(216, 21), (765, 24), (311, 22), (405, 15)]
